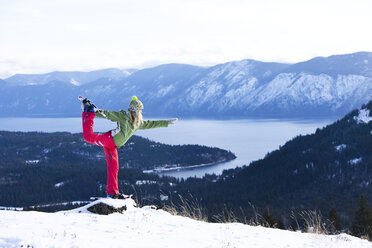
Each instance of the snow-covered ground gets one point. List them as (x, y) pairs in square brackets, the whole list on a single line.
[(146, 227)]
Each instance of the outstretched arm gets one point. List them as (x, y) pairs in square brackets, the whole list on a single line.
[(155, 124), (110, 115)]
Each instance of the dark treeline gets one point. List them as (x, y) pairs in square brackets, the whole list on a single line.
[(41, 168), (325, 171), (38, 185), (29, 148)]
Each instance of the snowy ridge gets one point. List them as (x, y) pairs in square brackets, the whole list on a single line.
[(146, 227), (319, 87), (74, 77), (284, 92)]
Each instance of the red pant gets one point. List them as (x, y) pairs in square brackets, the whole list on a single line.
[(105, 140)]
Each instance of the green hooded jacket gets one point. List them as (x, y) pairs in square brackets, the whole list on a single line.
[(125, 128)]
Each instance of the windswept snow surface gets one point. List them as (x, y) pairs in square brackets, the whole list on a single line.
[(146, 227)]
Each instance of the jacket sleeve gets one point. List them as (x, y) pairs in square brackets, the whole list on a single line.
[(153, 124), (110, 115)]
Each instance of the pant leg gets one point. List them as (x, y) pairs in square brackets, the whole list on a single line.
[(90, 137), (106, 141), (112, 170), (87, 121)]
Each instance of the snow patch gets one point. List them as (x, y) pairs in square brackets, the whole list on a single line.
[(12, 209), (36, 161), (58, 185), (355, 161), (164, 91), (164, 197), (309, 165), (363, 117), (364, 184), (142, 182), (341, 147), (74, 82), (100, 156), (125, 72), (47, 150)]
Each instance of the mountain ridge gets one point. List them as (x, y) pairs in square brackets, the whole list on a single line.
[(320, 87), (74, 77)]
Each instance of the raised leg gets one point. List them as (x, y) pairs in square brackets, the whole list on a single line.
[(104, 139)]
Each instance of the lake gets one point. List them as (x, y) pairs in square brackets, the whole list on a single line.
[(249, 140)]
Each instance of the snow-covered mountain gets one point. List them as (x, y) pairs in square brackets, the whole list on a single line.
[(355, 64), (73, 77), (147, 227), (320, 87), (251, 88)]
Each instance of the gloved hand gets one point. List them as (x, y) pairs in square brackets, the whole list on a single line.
[(172, 121), (87, 105), (100, 111)]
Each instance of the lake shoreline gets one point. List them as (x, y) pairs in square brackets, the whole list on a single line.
[(161, 170), (248, 139)]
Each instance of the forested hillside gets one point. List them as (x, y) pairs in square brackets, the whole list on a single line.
[(30, 148), (327, 170), (39, 168)]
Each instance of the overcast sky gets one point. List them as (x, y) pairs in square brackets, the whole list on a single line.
[(38, 36)]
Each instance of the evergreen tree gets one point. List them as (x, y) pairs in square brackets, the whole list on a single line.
[(362, 224), (334, 223), (269, 219), (280, 224)]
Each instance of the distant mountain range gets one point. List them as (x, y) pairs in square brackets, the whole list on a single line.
[(320, 87), (74, 77)]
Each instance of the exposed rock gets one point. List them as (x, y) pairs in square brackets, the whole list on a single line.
[(104, 209)]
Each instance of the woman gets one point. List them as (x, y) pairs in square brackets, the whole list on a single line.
[(128, 122)]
